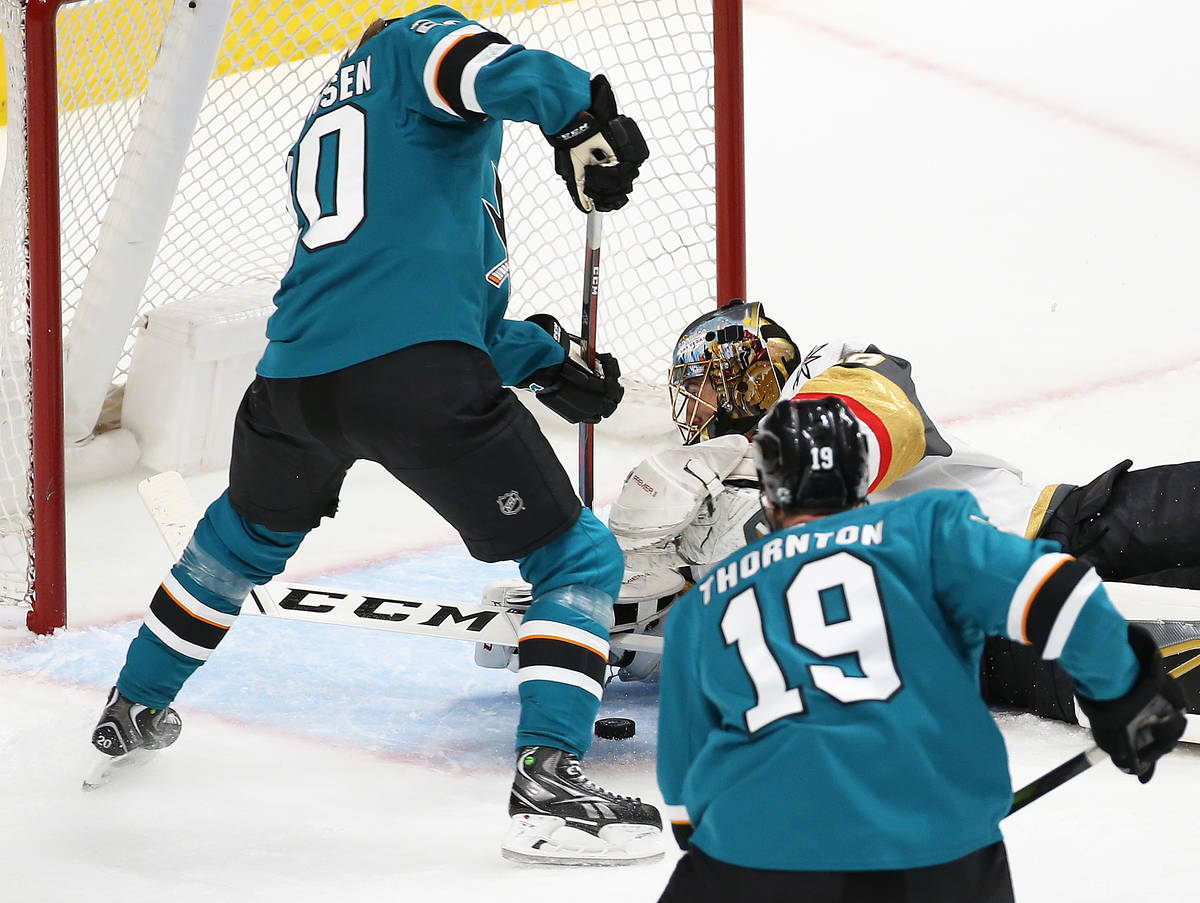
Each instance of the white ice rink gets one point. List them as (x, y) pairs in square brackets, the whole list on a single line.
[(1006, 194)]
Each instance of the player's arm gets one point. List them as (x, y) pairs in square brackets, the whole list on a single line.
[(879, 389), (518, 348), (685, 718), (1034, 594), (539, 354), (470, 74), (598, 151)]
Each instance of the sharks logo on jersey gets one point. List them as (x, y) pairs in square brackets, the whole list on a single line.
[(497, 274)]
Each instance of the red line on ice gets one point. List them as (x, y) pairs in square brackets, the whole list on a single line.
[(1122, 133)]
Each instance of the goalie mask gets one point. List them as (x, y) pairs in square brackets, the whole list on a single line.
[(727, 370)]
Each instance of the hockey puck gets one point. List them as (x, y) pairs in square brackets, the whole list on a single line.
[(615, 728)]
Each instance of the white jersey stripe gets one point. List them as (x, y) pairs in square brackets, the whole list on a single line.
[(440, 49), (566, 632), (194, 606), (561, 676), (677, 815), (1069, 614), (467, 86), (173, 640), (1033, 579)]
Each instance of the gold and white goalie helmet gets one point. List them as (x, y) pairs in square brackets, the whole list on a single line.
[(727, 370)]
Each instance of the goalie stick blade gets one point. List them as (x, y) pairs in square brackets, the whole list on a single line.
[(175, 513), (172, 508), (1142, 602)]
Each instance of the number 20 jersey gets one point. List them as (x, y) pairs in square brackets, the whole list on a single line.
[(820, 705), (394, 182)]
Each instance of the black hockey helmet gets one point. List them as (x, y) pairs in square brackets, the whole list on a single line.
[(812, 455), (743, 355)]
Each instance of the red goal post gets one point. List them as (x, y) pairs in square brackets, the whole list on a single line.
[(145, 148)]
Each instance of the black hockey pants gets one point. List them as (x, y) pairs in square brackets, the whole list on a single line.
[(979, 877)]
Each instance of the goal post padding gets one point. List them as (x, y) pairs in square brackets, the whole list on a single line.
[(137, 213)]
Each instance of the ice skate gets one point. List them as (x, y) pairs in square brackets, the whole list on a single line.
[(559, 817), (126, 735)]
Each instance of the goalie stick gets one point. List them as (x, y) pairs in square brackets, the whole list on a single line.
[(175, 513), (587, 332)]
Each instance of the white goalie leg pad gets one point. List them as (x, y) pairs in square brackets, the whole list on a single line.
[(549, 840)]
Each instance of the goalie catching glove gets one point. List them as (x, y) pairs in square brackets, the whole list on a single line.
[(573, 390), (599, 152), (1139, 728)]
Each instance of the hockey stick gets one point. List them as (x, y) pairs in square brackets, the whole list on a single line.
[(175, 513), (1056, 777), (587, 332)]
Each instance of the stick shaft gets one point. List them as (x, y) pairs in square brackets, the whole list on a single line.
[(587, 331), (1055, 777)]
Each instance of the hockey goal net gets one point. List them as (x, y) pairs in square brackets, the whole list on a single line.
[(145, 148)]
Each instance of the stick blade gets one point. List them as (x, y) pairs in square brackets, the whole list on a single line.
[(170, 504)]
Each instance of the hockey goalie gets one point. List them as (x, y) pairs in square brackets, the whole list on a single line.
[(682, 510)]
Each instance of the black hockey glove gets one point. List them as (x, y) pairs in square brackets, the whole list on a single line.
[(1144, 725), (570, 389), (599, 152)]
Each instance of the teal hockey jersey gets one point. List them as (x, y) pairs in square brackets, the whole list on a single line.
[(820, 705), (396, 191)]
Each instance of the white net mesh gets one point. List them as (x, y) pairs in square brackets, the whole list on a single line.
[(230, 222)]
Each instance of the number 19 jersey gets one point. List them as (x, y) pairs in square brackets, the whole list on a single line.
[(820, 704)]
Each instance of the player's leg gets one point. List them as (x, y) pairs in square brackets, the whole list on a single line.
[(1133, 524), (281, 483), (1013, 675), (982, 877), (469, 448), (699, 878), (1141, 526), (563, 649)]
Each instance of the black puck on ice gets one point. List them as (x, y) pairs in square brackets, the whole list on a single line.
[(615, 728)]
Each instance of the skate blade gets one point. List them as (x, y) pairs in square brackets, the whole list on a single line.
[(547, 840), (104, 768)]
